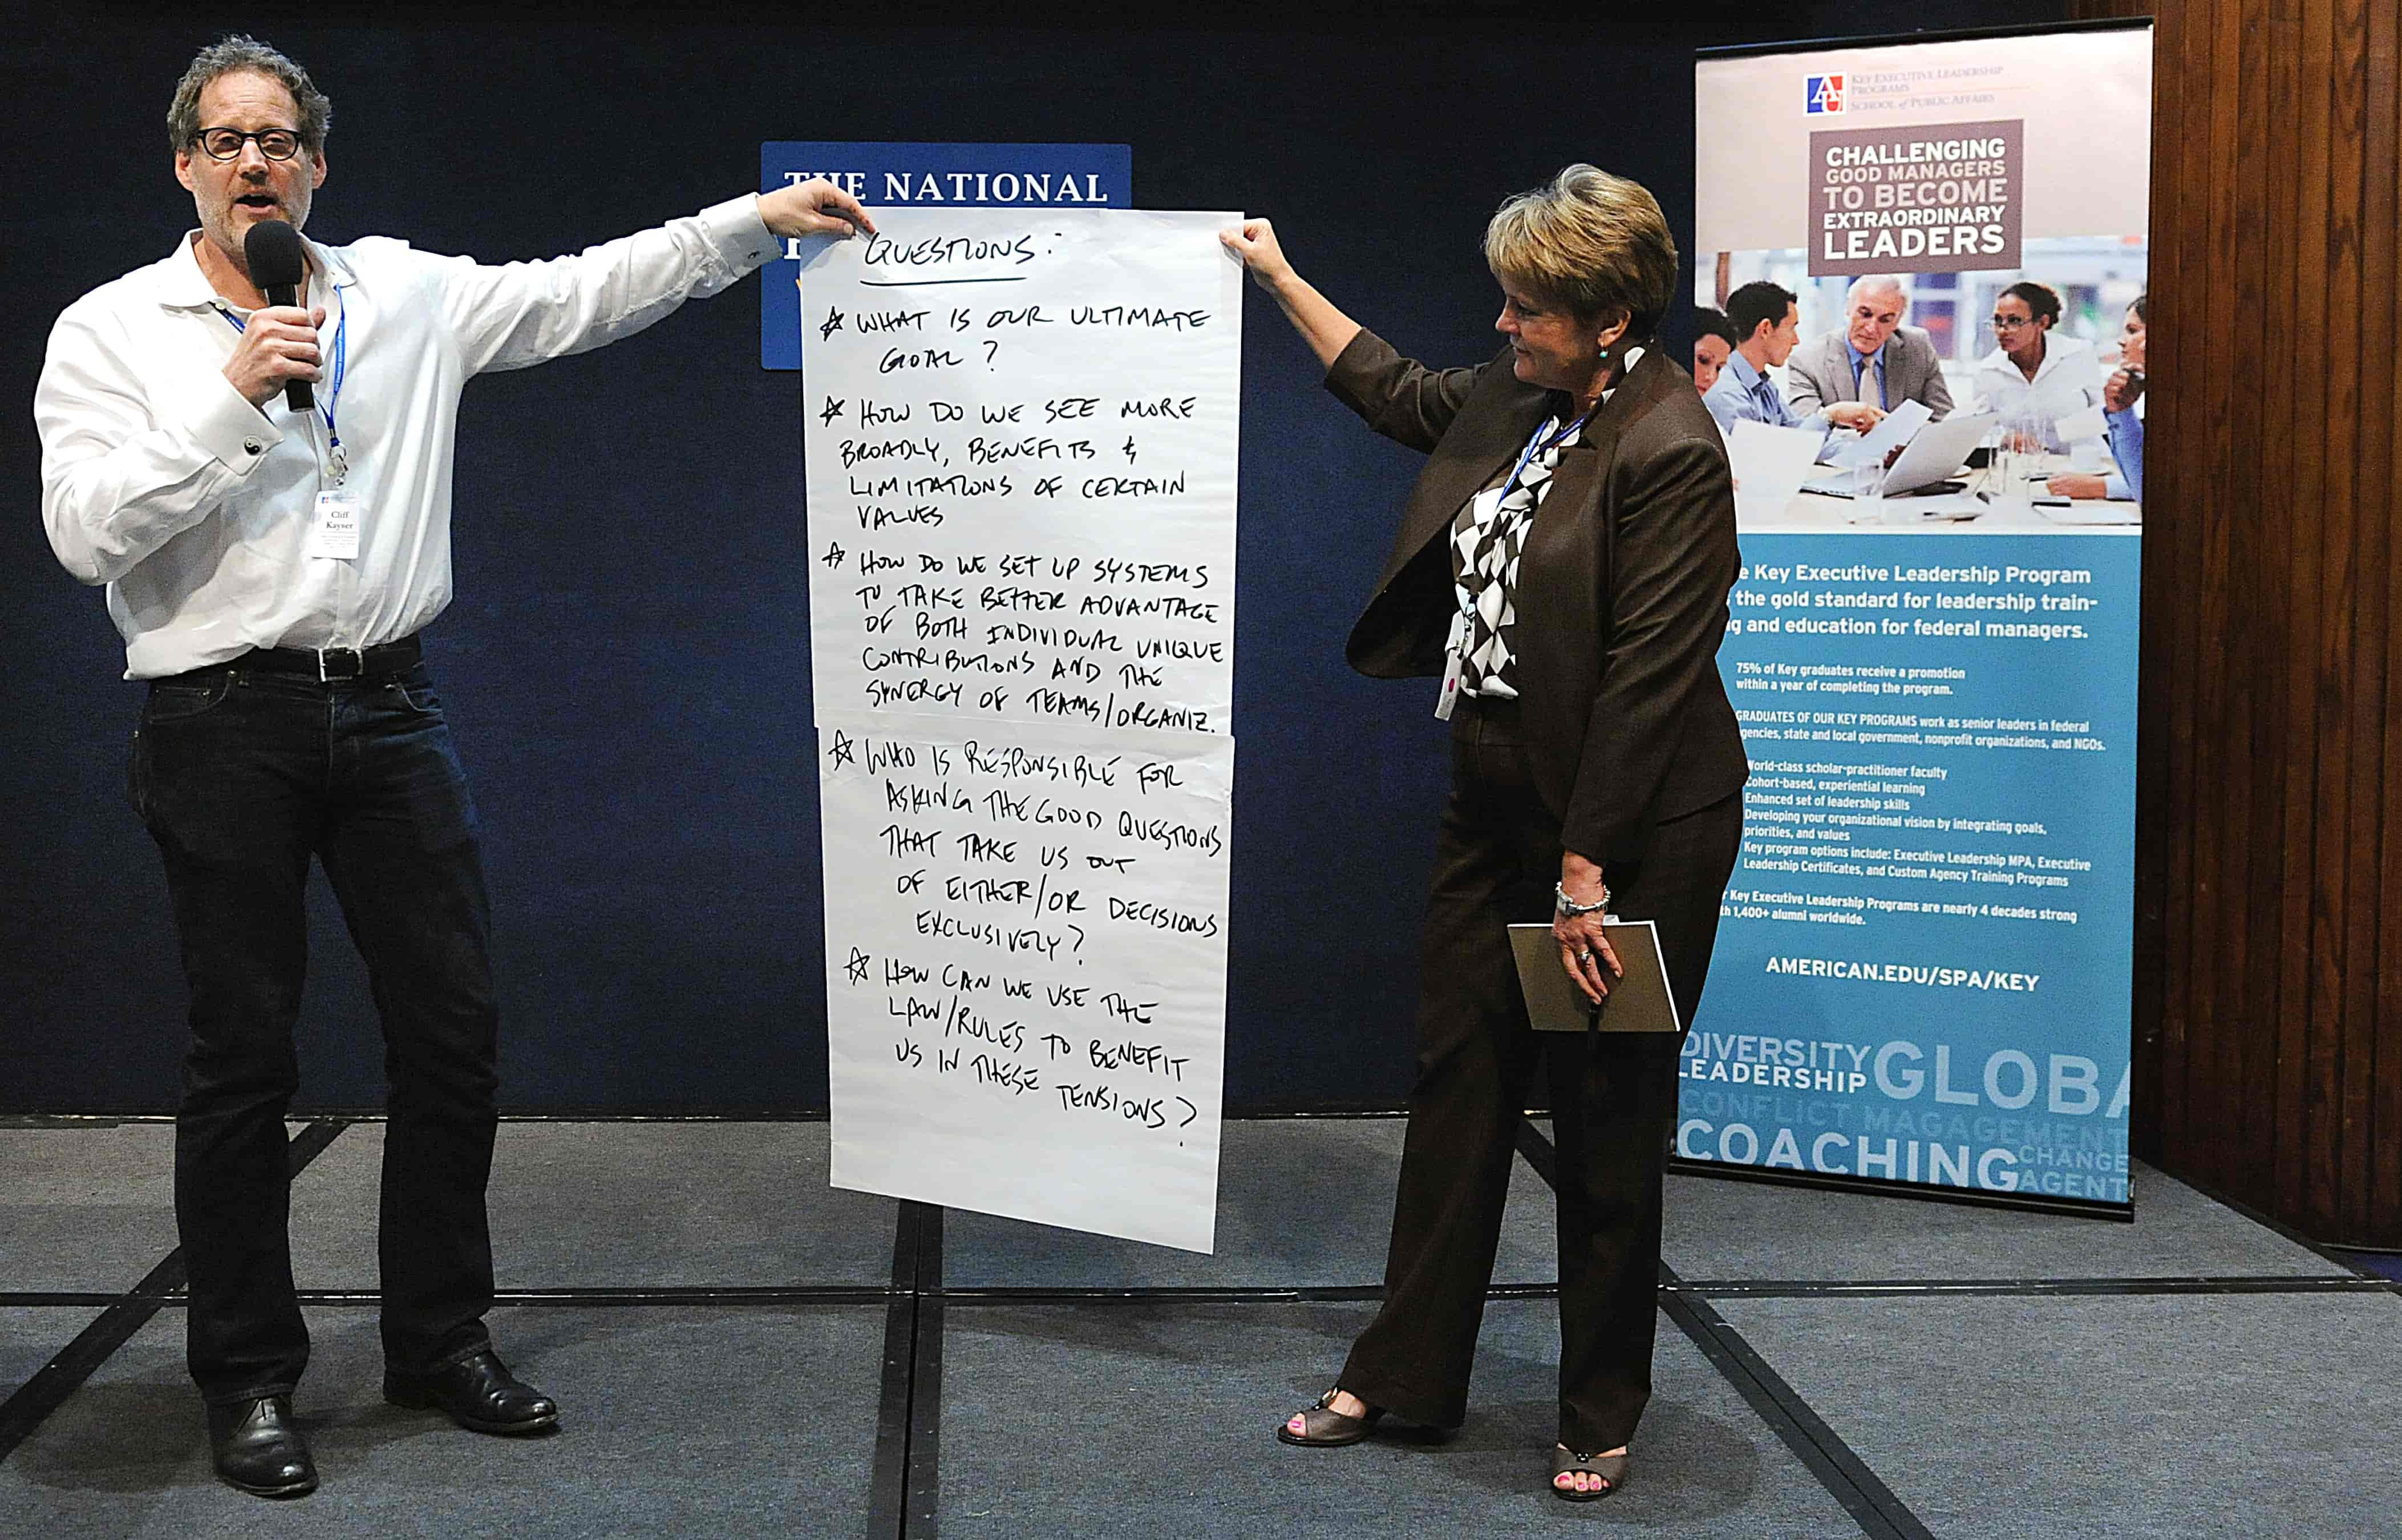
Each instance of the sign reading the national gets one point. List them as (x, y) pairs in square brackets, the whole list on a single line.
[(955, 176)]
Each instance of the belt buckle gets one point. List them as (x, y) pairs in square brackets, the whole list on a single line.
[(326, 675)]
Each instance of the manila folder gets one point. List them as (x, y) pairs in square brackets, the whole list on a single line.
[(1639, 1001)]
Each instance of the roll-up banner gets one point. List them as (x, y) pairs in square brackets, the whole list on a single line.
[(1924, 962)]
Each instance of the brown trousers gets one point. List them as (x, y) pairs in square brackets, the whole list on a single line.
[(1613, 1097)]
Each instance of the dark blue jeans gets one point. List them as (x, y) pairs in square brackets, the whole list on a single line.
[(240, 775)]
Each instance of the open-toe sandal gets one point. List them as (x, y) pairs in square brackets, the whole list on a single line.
[(1320, 1426), (1611, 1468)]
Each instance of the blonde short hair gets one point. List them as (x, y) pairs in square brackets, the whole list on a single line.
[(1594, 243)]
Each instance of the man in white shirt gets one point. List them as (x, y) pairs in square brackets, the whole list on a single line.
[(270, 567)]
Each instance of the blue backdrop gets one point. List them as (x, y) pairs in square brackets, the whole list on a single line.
[(627, 662)]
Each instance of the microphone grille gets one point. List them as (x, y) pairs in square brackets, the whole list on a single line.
[(272, 250)]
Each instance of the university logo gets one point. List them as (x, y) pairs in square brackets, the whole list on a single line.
[(1825, 93)]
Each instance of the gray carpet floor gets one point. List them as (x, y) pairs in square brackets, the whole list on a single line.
[(31, 1336), (774, 1408), (1040, 1437), (2187, 1415), (2175, 1417), (84, 1207), (1302, 1202), (623, 1205)]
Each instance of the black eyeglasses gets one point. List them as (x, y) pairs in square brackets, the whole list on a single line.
[(226, 143)]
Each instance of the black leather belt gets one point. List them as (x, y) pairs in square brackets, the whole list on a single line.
[(327, 665)]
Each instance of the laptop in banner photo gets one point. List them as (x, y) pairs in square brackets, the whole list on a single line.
[(1936, 452)]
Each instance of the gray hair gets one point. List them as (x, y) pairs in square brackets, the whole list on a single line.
[(1877, 284), (1592, 241), (235, 54)]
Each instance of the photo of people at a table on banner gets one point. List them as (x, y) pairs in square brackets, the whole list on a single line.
[(1921, 268)]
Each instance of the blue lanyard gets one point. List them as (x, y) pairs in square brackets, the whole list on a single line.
[(342, 364), (1537, 444)]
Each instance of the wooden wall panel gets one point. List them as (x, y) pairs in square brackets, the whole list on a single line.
[(2256, 832), (2380, 461), (2219, 1066), (2356, 477), (2269, 883)]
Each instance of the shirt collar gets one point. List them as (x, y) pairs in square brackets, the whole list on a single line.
[(1745, 375), (1563, 404), (1859, 359), (1626, 362), (1999, 359), (331, 262), (183, 286)]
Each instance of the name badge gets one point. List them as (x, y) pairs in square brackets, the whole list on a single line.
[(1449, 698), (334, 532)]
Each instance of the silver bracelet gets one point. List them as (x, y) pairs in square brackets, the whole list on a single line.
[(1569, 907)]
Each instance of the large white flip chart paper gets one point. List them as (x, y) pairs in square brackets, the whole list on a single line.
[(1021, 445)]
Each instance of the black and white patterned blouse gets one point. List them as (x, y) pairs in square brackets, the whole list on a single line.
[(1485, 541)]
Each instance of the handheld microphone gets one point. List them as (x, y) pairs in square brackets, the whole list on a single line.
[(273, 249)]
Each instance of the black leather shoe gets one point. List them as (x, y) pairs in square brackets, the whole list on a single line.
[(477, 1392), (258, 1448)]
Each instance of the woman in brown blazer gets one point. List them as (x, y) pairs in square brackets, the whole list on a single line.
[(1562, 566)]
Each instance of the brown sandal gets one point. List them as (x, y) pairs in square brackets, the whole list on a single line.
[(1611, 1468), (1323, 1427)]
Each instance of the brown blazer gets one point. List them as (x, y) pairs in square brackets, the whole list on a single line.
[(1622, 581)]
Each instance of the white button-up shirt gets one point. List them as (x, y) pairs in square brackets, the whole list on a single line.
[(193, 506), (2068, 380)]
